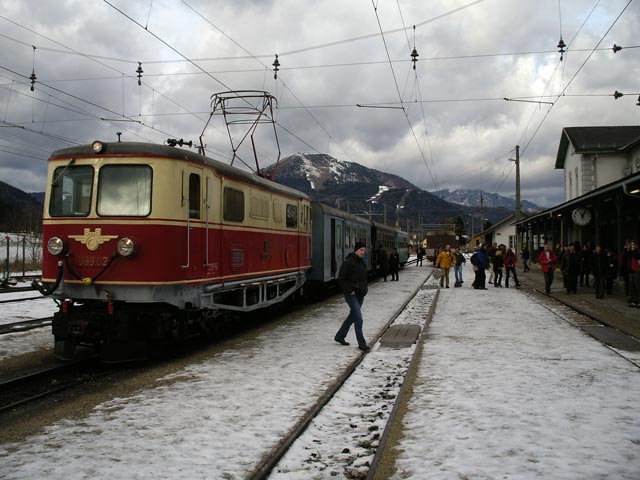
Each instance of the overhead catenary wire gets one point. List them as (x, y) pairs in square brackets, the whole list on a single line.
[(561, 94), (431, 173)]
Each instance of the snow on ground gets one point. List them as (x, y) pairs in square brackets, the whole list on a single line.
[(214, 419), (341, 441), (13, 344), (506, 389)]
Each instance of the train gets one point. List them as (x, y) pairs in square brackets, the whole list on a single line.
[(147, 243)]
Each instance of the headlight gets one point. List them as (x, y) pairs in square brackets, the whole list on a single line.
[(55, 246), (125, 247), (97, 146)]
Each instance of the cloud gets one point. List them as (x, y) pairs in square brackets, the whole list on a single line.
[(456, 131)]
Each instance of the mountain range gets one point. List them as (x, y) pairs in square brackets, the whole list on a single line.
[(358, 189)]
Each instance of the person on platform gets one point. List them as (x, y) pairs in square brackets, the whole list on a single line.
[(420, 256), (383, 263), (634, 274), (498, 264), (352, 280), (585, 266), (491, 251), (547, 260), (599, 267), (444, 261), (525, 258), (480, 264), (510, 260), (457, 269), (570, 266), (394, 265), (612, 271)]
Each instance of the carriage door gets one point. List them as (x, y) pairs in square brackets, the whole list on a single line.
[(192, 200), (336, 246)]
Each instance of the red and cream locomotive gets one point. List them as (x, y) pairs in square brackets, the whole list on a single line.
[(147, 241)]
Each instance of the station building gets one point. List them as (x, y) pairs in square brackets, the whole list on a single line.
[(602, 191)]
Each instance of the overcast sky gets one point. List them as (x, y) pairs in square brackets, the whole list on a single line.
[(456, 129)]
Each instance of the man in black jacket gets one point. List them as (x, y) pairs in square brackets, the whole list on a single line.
[(352, 280)]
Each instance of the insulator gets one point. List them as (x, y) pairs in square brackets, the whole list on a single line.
[(616, 48), (33, 78), (414, 57), (276, 65), (617, 94), (638, 104), (139, 71), (561, 47)]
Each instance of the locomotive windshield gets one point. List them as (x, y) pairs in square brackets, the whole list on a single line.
[(71, 191), (124, 190)]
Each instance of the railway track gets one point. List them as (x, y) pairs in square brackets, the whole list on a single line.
[(25, 325), (29, 386), (16, 289), (15, 300), (385, 398)]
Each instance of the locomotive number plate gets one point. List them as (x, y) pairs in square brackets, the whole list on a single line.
[(91, 261)]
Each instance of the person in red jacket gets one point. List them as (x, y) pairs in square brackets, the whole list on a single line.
[(547, 260), (510, 260)]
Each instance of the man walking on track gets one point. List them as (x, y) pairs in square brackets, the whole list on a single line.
[(352, 280)]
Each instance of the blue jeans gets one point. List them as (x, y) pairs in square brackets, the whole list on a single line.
[(355, 317), (458, 271)]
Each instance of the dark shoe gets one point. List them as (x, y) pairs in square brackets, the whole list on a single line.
[(341, 341), (364, 348), (447, 286)]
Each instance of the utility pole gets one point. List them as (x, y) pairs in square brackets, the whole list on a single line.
[(518, 209), (518, 212)]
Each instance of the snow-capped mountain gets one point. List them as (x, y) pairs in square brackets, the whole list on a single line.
[(356, 188), (311, 172), (472, 198)]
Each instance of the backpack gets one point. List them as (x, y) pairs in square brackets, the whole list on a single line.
[(474, 260)]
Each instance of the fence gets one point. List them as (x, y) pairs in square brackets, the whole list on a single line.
[(20, 252)]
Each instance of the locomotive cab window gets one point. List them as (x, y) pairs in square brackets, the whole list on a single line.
[(124, 190), (233, 205), (71, 191), (292, 216)]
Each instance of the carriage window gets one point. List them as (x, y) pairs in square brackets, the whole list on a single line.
[(124, 190), (71, 191), (292, 216), (194, 195), (233, 205)]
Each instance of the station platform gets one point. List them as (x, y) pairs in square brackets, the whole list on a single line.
[(612, 310), (506, 387)]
